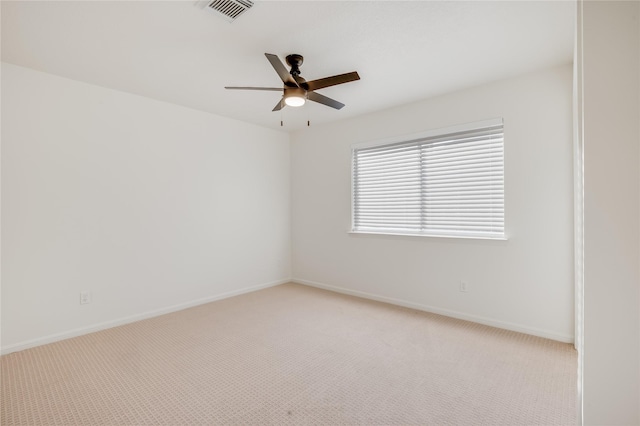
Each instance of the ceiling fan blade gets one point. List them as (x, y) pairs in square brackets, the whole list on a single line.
[(273, 89), (279, 105), (277, 65), (321, 99), (332, 81)]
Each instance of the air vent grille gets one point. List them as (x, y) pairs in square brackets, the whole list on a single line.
[(230, 10)]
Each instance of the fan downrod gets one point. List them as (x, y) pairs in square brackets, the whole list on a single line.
[(294, 60)]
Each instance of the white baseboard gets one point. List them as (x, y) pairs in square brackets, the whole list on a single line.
[(446, 312), (132, 318)]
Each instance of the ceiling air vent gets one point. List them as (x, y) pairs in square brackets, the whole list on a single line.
[(227, 9)]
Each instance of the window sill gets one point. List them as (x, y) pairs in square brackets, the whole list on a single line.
[(455, 237)]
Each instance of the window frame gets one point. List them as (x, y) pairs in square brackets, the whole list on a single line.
[(416, 138)]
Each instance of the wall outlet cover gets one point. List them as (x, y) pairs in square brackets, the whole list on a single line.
[(85, 297)]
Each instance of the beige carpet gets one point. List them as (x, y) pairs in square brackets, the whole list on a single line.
[(293, 355)]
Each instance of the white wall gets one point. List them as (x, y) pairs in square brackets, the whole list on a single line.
[(148, 205), (611, 50), (525, 283)]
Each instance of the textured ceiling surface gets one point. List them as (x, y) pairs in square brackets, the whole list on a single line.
[(175, 51)]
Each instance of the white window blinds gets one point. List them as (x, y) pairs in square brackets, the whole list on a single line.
[(447, 185)]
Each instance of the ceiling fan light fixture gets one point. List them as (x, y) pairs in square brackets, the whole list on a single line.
[(295, 97), (294, 101)]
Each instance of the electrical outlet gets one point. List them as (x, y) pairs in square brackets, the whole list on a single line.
[(464, 286), (85, 297)]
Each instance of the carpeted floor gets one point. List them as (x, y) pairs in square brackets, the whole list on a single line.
[(293, 355)]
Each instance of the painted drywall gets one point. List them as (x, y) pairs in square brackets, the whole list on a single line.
[(611, 73), (147, 205), (524, 283)]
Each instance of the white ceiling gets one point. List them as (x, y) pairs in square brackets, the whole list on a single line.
[(177, 52)]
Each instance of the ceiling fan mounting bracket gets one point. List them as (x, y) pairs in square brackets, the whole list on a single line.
[(294, 60)]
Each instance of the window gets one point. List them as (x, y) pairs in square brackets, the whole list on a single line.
[(444, 183)]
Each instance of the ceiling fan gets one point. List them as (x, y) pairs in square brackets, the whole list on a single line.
[(297, 90)]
